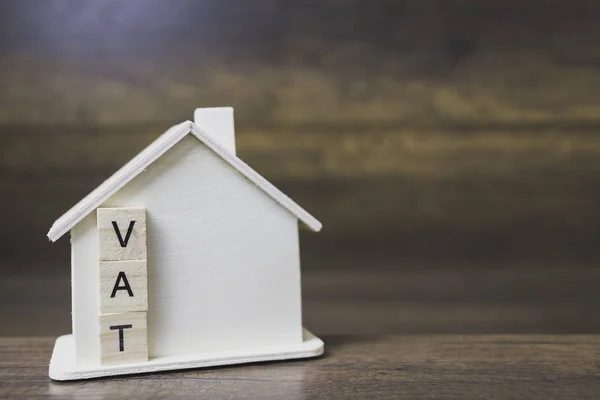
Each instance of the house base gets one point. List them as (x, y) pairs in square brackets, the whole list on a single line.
[(64, 368)]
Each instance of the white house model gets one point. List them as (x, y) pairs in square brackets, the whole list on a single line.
[(185, 257)]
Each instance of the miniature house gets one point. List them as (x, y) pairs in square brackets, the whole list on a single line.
[(185, 257)]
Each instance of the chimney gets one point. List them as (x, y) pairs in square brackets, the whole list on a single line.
[(218, 123)]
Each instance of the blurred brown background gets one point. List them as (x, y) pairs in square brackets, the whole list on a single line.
[(451, 148)]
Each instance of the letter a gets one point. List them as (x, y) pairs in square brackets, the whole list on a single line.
[(125, 286)]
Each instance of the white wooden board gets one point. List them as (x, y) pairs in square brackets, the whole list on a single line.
[(148, 156), (223, 260), (218, 122), (64, 368), (223, 263)]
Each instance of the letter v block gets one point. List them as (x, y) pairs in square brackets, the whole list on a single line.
[(123, 286), (121, 234), (123, 338)]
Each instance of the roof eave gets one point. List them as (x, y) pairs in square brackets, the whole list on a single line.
[(147, 156)]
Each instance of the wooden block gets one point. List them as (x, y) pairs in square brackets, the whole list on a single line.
[(123, 338), (123, 286), (121, 234)]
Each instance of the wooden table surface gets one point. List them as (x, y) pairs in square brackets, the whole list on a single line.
[(388, 334), (354, 367)]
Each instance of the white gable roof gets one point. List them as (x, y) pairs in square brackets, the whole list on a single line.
[(150, 154)]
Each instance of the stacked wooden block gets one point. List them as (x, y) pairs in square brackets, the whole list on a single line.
[(123, 285)]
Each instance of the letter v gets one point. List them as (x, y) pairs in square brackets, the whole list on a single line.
[(127, 236)]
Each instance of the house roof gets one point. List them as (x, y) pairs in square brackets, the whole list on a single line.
[(150, 154)]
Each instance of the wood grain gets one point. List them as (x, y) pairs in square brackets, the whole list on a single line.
[(123, 338), (121, 234), (361, 298), (450, 149), (323, 151), (123, 286), (446, 133), (311, 61), (354, 367), (529, 218)]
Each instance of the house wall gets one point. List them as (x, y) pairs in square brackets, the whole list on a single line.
[(85, 276), (223, 260)]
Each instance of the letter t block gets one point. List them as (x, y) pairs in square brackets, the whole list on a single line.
[(123, 338)]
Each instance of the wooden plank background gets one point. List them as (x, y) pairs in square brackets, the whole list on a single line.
[(431, 134)]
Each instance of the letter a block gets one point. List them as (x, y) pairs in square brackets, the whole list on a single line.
[(123, 286), (121, 234), (123, 338)]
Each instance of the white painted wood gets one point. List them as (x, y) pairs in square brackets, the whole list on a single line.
[(123, 338), (218, 123), (123, 286), (223, 258), (120, 178), (311, 222), (85, 299), (223, 263), (148, 156), (64, 368), (121, 234)]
